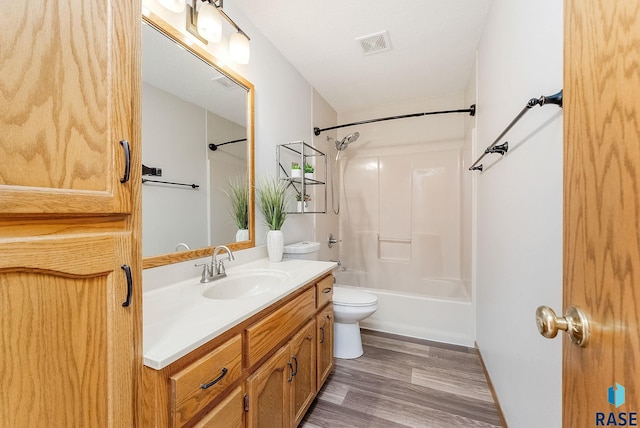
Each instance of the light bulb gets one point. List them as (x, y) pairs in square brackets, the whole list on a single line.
[(210, 23), (239, 50), (176, 6)]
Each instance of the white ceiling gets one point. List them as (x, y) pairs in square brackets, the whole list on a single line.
[(433, 45)]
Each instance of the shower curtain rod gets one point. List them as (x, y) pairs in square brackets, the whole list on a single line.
[(502, 149), (471, 110)]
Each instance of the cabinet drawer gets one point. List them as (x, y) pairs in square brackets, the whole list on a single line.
[(195, 386), (265, 335), (324, 291), (228, 414)]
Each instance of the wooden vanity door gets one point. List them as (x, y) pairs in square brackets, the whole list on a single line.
[(269, 391), (70, 84), (68, 352), (324, 323), (302, 348)]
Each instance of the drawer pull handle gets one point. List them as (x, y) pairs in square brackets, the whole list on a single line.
[(127, 161), (327, 290), (127, 272), (322, 337), (216, 380), (292, 373)]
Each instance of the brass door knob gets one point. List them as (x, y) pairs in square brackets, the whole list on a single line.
[(574, 322)]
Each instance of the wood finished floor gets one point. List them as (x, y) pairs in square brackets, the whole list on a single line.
[(404, 382)]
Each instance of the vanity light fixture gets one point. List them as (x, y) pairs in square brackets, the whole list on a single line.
[(206, 25)]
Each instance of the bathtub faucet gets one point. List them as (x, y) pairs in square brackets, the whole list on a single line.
[(339, 264)]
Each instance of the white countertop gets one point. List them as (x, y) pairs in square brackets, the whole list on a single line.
[(177, 319)]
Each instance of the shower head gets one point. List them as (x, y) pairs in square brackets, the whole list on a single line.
[(342, 144)]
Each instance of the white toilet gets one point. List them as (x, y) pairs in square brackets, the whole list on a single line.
[(350, 306)]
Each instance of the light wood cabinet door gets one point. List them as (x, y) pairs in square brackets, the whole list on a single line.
[(269, 392), (69, 94), (69, 353), (302, 350), (324, 324)]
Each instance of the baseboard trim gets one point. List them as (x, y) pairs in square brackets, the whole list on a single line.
[(491, 388)]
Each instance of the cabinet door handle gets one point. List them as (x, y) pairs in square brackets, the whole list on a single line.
[(127, 160), (322, 337), (327, 290), (216, 380), (295, 359), (127, 272), (290, 368)]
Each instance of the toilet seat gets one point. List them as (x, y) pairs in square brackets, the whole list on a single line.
[(349, 297)]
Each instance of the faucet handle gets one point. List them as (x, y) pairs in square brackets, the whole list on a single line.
[(220, 268), (206, 271)]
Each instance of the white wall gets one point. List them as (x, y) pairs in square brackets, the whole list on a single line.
[(519, 208)]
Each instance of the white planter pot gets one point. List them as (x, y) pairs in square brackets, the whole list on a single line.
[(296, 173), (275, 245), (242, 235), (306, 206), (308, 175)]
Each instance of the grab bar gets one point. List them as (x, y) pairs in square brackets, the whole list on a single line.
[(502, 149)]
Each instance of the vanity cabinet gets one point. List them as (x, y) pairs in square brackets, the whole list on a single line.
[(70, 261), (271, 359)]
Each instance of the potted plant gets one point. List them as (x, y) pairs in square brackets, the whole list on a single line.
[(239, 197), (299, 199), (308, 170), (273, 200), (295, 170)]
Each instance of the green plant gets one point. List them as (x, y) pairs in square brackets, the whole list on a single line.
[(273, 200), (307, 197), (239, 196), (295, 165), (308, 168)]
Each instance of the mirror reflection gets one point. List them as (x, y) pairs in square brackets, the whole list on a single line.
[(194, 134)]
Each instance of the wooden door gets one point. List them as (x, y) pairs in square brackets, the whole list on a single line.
[(68, 96), (69, 354), (302, 348), (602, 208), (269, 392), (324, 324)]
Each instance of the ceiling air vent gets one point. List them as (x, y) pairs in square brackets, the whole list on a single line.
[(375, 43), (225, 82)]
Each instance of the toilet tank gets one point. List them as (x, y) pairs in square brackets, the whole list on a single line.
[(305, 250)]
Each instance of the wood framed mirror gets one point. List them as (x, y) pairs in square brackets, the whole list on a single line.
[(189, 104)]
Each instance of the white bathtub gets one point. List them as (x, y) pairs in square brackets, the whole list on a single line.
[(438, 310)]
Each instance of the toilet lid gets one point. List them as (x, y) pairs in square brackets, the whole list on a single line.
[(347, 296)]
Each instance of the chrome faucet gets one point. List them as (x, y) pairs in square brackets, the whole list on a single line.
[(218, 265), (215, 270)]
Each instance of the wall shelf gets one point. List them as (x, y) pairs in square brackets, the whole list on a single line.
[(299, 183)]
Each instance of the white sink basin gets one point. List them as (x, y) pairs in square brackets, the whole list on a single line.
[(245, 284)]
